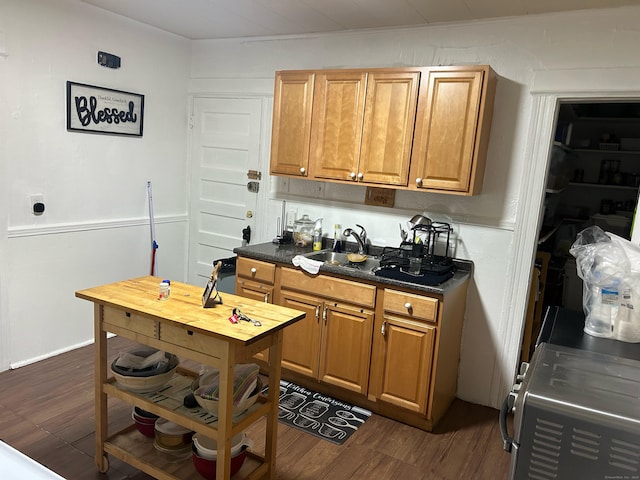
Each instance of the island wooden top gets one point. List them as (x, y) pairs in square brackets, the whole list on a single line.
[(184, 308)]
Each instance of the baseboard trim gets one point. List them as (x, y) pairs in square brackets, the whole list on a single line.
[(24, 363), (30, 231)]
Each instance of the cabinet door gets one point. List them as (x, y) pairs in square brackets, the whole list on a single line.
[(389, 119), (336, 129), (404, 374), (447, 154), (301, 341), (254, 290), (291, 130), (346, 347)]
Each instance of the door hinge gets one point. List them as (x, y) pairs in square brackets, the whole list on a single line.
[(253, 187), (254, 175)]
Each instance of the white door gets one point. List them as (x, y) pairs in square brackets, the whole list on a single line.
[(225, 146)]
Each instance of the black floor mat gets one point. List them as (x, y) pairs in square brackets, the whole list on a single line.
[(317, 414)]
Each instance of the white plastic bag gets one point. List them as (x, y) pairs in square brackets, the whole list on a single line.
[(610, 269)]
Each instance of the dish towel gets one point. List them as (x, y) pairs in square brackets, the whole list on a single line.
[(308, 265)]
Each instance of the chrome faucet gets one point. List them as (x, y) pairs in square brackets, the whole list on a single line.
[(361, 239)]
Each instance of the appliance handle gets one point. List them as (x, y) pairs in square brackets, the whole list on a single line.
[(507, 441)]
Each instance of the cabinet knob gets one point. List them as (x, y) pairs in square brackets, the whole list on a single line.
[(253, 270), (352, 175), (302, 170), (418, 181), (360, 176), (408, 306)]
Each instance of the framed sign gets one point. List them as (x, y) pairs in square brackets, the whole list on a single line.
[(93, 109)]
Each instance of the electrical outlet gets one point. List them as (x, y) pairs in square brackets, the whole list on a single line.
[(36, 199)]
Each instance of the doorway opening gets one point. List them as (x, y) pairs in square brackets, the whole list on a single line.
[(593, 178)]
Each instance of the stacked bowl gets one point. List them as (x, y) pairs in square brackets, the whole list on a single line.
[(171, 437), (205, 454), (145, 421)]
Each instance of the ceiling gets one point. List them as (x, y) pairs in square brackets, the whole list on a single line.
[(215, 19)]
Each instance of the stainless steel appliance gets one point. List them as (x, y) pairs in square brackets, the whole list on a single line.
[(576, 413)]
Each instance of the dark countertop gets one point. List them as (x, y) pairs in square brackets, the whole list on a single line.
[(283, 254), (566, 327)]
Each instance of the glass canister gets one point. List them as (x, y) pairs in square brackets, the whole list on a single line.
[(303, 231)]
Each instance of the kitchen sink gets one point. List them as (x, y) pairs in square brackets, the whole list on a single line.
[(342, 260)]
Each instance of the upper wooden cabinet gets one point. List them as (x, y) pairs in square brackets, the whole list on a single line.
[(291, 128), (362, 125), (455, 106), (407, 128)]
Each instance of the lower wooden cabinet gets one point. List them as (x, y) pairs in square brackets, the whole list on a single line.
[(255, 279), (333, 343), (401, 372), (301, 344), (391, 350), (345, 354), (254, 290)]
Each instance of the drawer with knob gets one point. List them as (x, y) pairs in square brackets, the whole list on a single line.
[(410, 305), (255, 270)]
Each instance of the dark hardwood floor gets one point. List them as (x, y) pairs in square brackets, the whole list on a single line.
[(47, 412)]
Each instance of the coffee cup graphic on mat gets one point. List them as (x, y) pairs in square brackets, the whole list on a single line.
[(306, 422), (284, 413), (292, 400), (331, 432), (314, 408)]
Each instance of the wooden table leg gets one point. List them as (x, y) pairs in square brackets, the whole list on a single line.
[(273, 394), (225, 413), (100, 368)]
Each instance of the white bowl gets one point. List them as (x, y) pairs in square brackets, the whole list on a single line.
[(171, 436), (207, 447), (146, 384)]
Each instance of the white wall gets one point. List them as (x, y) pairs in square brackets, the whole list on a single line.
[(491, 223), (95, 228)]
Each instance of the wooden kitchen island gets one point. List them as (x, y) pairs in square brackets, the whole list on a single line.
[(181, 325)]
